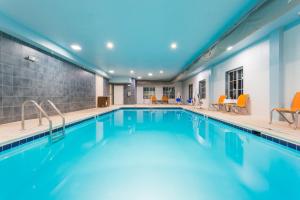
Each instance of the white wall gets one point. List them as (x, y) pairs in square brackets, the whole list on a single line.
[(291, 63), (195, 81), (158, 91), (255, 62)]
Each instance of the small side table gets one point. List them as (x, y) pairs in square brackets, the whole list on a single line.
[(228, 103)]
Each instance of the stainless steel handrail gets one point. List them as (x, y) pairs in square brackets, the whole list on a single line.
[(41, 111), (57, 110)]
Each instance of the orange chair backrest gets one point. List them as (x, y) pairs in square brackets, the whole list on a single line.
[(221, 99), (242, 100), (153, 98), (165, 98), (296, 102)]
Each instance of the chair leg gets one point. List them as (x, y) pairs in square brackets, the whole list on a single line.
[(286, 119), (296, 119), (271, 116)]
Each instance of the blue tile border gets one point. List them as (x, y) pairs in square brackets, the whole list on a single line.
[(45, 133), (151, 108), (253, 132)]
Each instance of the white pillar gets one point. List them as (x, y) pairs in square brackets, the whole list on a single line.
[(211, 87), (99, 87), (275, 71)]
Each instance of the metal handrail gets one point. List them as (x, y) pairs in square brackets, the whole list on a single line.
[(41, 111), (56, 109)]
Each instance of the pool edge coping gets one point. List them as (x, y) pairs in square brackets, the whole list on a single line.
[(9, 144)]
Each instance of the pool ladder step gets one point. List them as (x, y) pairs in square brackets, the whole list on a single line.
[(53, 137), (57, 136)]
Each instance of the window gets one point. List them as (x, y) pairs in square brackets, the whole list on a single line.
[(148, 92), (234, 83), (190, 91), (169, 92), (202, 89)]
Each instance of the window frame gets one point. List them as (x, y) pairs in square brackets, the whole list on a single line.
[(191, 91), (234, 82), (169, 91), (148, 92), (202, 89)]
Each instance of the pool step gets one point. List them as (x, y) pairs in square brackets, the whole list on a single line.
[(57, 136)]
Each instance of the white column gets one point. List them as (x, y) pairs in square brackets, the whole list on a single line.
[(210, 89), (99, 86), (275, 72)]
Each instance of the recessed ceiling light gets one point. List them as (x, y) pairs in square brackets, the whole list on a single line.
[(76, 47), (173, 45), (139, 77), (110, 45), (131, 72), (229, 48), (150, 74), (111, 71), (161, 71)]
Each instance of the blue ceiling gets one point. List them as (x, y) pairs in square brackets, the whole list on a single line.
[(140, 30)]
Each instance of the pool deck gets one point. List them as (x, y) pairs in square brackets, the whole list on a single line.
[(12, 132)]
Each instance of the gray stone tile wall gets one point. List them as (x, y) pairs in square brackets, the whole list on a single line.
[(70, 87)]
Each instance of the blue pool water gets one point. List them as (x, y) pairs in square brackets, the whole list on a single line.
[(151, 155)]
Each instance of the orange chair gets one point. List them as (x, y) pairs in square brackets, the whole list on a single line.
[(241, 104), (220, 103), (153, 99), (165, 99), (294, 110)]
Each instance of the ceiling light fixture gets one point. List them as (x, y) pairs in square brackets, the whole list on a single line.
[(131, 72), (76, 47), (111, 71), (139, 77), (150, 74), (161, 71), (110, 45), (229, 48), (173, 45)]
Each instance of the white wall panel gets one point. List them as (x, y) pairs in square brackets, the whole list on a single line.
[(291, 62), (255, 62)]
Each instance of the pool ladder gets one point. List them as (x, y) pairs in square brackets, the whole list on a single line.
[(52, 137)]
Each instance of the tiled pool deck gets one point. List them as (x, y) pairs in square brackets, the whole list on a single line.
[(11, 133)]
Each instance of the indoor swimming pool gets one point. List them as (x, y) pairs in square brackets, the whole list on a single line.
[(150, 154)]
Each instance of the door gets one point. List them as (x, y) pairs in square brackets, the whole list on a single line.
[(118, 94), (139, 95), (190, 91)]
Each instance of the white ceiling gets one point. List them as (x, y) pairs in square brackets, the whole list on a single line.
[(141, 31)]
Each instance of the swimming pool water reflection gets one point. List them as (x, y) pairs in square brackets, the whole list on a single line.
[(133, 154)]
